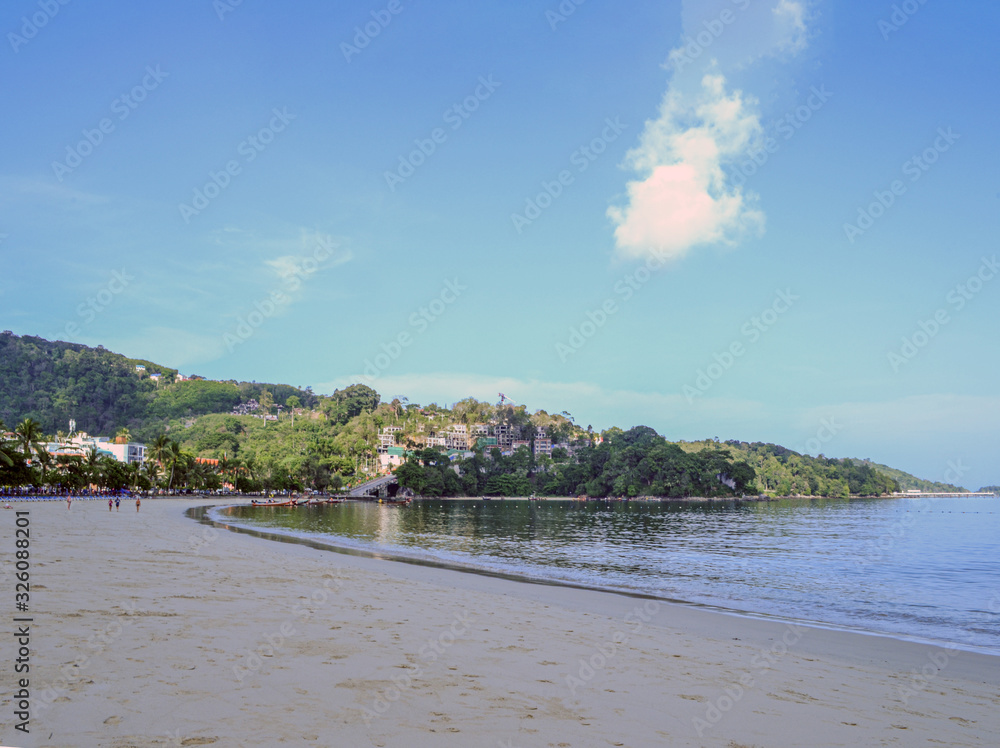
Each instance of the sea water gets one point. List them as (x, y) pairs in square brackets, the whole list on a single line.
[(922, 568)]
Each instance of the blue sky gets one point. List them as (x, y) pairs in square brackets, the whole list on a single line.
[(769, 220)]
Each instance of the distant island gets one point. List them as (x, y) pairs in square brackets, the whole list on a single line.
[(199, 434)]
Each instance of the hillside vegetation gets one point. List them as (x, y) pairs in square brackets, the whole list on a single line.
[(274, 437), (53, 382)]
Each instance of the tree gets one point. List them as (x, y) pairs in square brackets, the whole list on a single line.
[(5, 451), (173, 457), (159, 448), (293, 402), (92, 465), (124, 436), (152, 472), (29, 434), (266, 402), (350, 402)]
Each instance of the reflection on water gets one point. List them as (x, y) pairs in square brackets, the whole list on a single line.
[(912, 567)]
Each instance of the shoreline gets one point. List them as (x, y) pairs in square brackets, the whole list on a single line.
[(201, 514), (155, 630)]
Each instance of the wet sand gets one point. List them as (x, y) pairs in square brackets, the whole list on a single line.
[(150, 629)]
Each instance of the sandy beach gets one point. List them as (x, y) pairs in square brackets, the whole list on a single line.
[(150, 629)]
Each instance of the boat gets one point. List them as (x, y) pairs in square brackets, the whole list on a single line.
[(323, 502), (290, 502)]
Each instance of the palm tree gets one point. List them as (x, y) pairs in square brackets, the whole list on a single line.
[(159, 448), (134, 471), (5, 458), (152, 471), (124, 436), (29, 434), (45, 463), (92, 465), (173, 456)]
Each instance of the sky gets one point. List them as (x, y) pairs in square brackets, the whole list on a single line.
[(765, 220)]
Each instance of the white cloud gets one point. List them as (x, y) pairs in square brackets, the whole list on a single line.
[(791, 26), (683, 200)]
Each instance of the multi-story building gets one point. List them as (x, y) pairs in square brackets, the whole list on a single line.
[(505, 435), (543, 445), (387, 438), (82, 443)]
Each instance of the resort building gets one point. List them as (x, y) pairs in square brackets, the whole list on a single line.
[(81, 444)]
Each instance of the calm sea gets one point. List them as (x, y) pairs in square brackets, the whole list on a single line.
[(923, 568)]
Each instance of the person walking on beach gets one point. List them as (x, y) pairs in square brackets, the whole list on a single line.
[(69, 501), (110, 502), (138, 501), (117, 502)]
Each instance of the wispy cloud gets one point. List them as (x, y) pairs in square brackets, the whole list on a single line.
[(682, 198)]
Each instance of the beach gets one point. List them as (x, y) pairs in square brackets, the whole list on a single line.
[(150, 629)]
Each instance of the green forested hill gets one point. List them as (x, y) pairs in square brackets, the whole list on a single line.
[(323, 440), (907, 481), (52, 382)]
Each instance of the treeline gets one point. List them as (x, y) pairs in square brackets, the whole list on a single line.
[(637, 462), (640, 462), (784, 472), (53, 382)]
